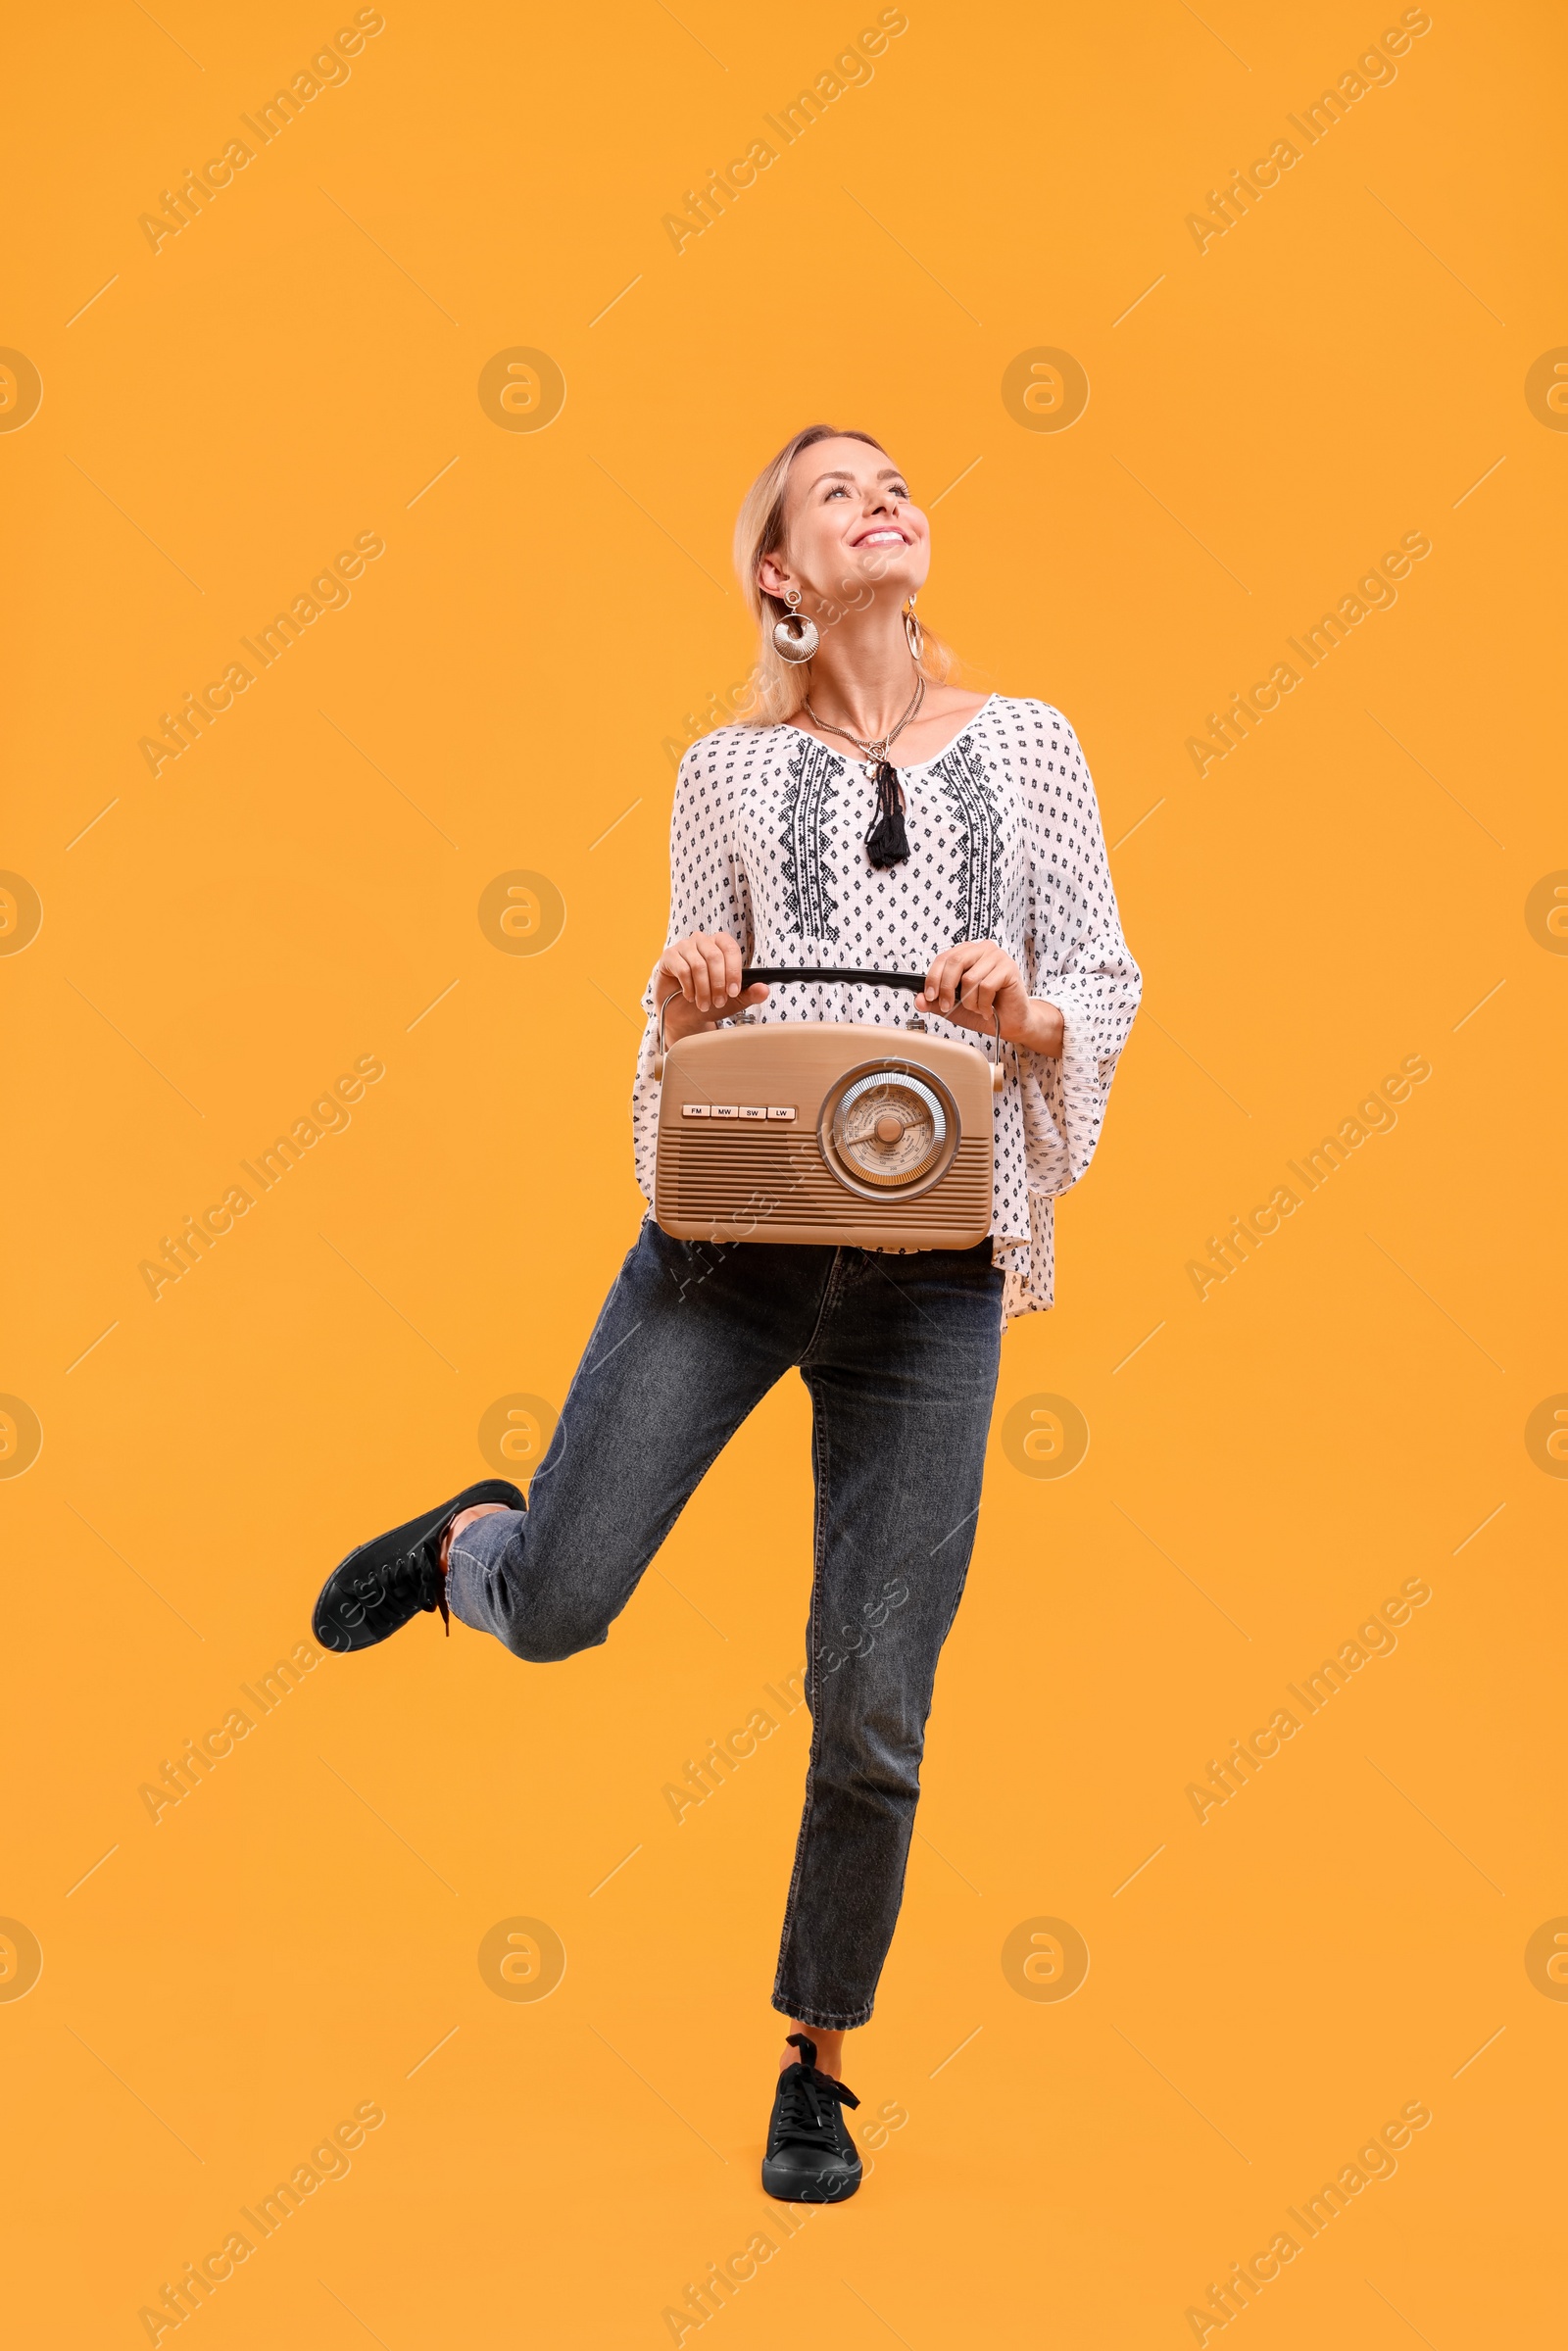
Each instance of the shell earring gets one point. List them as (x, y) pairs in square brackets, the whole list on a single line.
[(795, 637), (912, 631)]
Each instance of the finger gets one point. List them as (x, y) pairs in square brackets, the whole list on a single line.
[(931, 994), (717, 977), (984, 980), (711, 960), (732, 965), (949, 972), (695, 985), (673, 972), (1005, 974), (987, 973)]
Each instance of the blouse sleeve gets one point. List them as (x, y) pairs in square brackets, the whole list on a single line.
[(708, 892), (1076, 958)]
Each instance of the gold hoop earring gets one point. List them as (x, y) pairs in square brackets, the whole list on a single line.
[(912, 632), (795, 637)]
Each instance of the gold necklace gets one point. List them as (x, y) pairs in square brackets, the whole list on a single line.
[(874, 752)]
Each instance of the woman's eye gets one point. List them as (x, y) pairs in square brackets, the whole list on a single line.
[(837, 491)]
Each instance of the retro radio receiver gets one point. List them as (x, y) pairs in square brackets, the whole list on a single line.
[(823, 1131)]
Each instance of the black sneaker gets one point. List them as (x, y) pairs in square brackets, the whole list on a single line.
[(381, 1584), (811, 2157)]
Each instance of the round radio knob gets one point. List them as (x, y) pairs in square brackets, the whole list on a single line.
[(886, 1128)]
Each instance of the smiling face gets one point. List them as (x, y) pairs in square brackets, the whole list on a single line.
[(849, 526)]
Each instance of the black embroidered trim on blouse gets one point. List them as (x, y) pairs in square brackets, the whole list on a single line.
[(808, 905), (966, 786)]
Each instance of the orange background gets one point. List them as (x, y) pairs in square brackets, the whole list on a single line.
[(1345, 1412)]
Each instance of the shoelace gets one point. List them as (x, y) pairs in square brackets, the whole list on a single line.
[(415, 1568), (807, 2099), (441, 1574)]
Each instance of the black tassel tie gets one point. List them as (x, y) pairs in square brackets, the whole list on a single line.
[(887, 844)]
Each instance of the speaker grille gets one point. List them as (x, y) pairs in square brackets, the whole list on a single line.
[(755, 1177)]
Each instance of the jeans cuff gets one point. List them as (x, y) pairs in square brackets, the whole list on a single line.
[(471, 1556), (826, 2020)]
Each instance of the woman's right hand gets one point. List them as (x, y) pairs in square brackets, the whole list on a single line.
[(705, 967)]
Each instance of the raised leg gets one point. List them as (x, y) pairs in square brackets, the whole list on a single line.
[(689, 1340)]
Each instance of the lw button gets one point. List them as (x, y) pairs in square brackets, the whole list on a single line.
[(776, 1110)]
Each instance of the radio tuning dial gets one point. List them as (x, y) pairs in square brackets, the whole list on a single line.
[(888, 1129)]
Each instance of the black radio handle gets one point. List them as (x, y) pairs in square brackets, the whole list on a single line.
[(769, 972), (913, 980)]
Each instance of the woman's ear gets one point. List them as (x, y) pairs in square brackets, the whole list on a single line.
[(772, 577)]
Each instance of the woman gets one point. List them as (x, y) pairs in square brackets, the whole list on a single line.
[(868, 812)]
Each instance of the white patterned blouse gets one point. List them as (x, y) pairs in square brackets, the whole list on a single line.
[(767, 842)]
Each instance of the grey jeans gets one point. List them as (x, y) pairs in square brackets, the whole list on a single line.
[(900, 1356)]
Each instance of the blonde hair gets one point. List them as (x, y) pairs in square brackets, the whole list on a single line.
[(778, 688)]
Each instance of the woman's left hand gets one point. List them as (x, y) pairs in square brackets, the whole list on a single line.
[(993, 990)]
